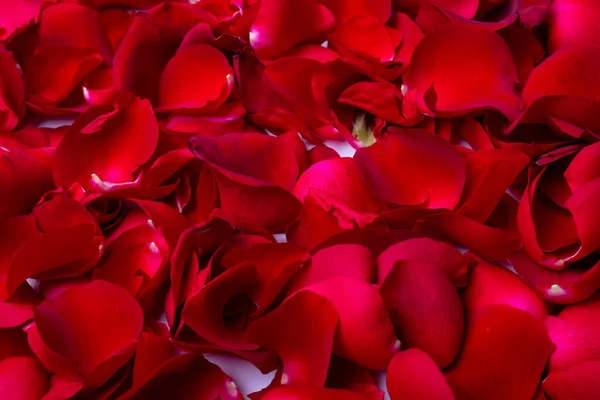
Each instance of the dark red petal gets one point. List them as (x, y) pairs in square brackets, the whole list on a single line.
[(366, 37), (22, 378), (13, 343), (573, 22), (413, 168), (491, 284), (187, 377), (55, 70), (271, 207), (464, 8), (249, 158), (152, 350), (503, 356), (281, 25), (203, 312), (295, 393), (440, 254), (197, 77), (344, 10), (365, 333), (92, 325), (413, 375), (583, 206), (526, 49), (77, 26), (489, 174), (579, 382), (62, 388), (484, 240), (576, 333), (425, 309), (349, 260), (12, 96), (458, 69), (105, 146), (19, 308), (303, 343)]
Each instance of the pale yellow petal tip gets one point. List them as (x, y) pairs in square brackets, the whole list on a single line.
[(556, 291), (154, 248), (397, 345), (285, 378), (232, 388)]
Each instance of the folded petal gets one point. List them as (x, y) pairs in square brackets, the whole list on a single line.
[(281, 25), (365, 334), (413, 375), (301, 337), (413, 168), (503, 356), (425, 309), (458, 69), (343, 10), (12, 92), (16, 17)]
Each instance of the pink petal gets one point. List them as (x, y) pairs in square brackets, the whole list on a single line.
[(22, 378)]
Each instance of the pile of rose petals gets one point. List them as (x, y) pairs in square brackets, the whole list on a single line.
[(170, 189)]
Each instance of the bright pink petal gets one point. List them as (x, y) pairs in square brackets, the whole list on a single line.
[(22, 378), (573, 22), (579, 382), (292, 393), (413, 375)]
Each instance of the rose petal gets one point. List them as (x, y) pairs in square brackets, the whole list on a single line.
[(91, 325), (343, 10), (576, 333), (281, 25), (505, 343), (572, 22), (491, 284), (366, 37), (12, 94), (19, 308), (449, 83), (365, 333), (197, 77), (425, 309), (22, 378), (303, 343), (413, 375), (579, 382), (413, 168), (299, 393)]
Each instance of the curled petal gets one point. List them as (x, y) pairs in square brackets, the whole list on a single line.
[(281, 25), (413, 168), (413, 375), (12, 92), (458, 69), (425, 309), (303, 343), (508, 344), (16, 17), (343, 10), (366, 37)]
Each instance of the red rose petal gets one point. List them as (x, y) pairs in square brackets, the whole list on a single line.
[(22, 378), (572, 22), (303, 343), (576, 333), (12, 94), (197, 77), (503, 357), (413, 168), (413, 375), (440, 254), (458, 69), (19, 308), (13, 343), (344, 10), (105, 146), (365, 333), (77, 26), (366, 37), (250, 158), (91, 325), (425, 309), (281, 25), (579, 382), (295, 393), (491, 284)]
